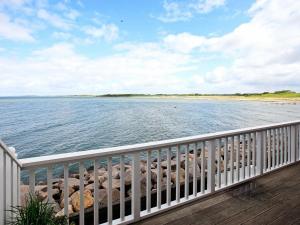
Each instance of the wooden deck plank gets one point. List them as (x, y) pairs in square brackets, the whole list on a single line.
[(274, 200)]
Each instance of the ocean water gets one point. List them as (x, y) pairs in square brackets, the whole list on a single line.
[(44, 126)]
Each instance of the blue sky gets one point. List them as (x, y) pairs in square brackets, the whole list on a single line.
[(168, 46)]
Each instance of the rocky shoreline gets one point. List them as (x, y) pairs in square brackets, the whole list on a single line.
[(89, 198)]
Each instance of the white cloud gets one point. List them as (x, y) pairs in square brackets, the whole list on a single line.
[(72, 14), (184, 42), (108, 32), (182, 11), (206, 6), (54, 19), (174, 13), (14, 31), (60, 70), (264, 53)]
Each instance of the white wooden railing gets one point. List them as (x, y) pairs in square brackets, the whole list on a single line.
[(9, 181), (216, 162)]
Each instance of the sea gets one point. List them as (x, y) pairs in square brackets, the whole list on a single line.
[(37, 126)]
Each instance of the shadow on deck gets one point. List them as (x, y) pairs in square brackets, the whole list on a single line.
[(271, 199)]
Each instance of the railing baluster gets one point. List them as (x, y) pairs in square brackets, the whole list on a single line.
[(254, 148), (281, 146), (8, 185), (49, 183), (211, 166), (136, 189), (293, 134), (202, 167), (159, 179), (243, 156), (168, 176), (195, 175), (178, 155), (66, 190), (186, 167), (260, 153), (238, 152), (81, 190), (109, 190), (289, 143), (269, 134), (14, 183), (122, 188), (248, 154), (284, 145), (149, 184), (2, 186), (232, 160), (277, 146), (273, 148), (219, 163), (225, 159), (264, 141), (96, 193), (18, 188)]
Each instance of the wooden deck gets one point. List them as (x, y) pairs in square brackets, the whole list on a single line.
[(272, 199)]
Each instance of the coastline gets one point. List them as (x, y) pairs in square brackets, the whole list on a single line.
[(292, 100)]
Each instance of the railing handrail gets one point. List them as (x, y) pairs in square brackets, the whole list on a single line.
[(10, 153), (105, 152)]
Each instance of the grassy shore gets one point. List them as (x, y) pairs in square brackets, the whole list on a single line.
[(278, 96)]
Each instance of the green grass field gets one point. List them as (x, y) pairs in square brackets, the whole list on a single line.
[(277, 95)]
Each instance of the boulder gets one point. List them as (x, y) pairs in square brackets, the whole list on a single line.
[(24, 191), (91, 187), (88, 200), (181, 176), (102, 172), (40, 188), (164, 164), (72, 182), (154, 175), (101, 179), (115, 184), (71, 191), (62, 202), (56, 207), (103, 196), (62, 211), (42, 193), (128, 176)]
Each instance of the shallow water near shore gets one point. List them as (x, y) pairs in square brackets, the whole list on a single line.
[(38, 126)]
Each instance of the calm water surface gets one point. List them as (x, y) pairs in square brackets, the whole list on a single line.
[(44, 126)]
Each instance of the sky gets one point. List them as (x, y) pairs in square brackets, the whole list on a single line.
[(69, 47)]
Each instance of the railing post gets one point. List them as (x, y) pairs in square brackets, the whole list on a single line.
[(259, 153), (293, 143), (211, 166), (2, 186), (136, 209)]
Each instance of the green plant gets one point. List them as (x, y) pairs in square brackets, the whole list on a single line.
[(35, 212)]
